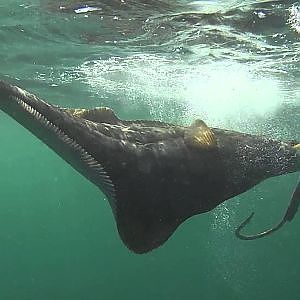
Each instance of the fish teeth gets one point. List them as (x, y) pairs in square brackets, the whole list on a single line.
[(87, 158)]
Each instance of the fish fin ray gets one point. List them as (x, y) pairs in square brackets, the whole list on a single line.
[(200, 135)]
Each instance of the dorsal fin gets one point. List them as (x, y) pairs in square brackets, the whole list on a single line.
[(200, 135), (97, 114), (297, 147)]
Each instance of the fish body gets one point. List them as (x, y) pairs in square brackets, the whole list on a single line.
[(154, 174)]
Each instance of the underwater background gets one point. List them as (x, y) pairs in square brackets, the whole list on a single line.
[(234, 64)]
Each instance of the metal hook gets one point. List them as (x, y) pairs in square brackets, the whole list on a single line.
[(289, 215), (257, 235)]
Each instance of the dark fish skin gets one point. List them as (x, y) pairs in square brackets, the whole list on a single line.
[(151, 172)]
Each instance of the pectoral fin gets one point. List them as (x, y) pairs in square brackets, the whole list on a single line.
[(97, 115), (200, 135)]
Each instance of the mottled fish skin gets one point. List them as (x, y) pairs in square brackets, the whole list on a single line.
[(155, 174)]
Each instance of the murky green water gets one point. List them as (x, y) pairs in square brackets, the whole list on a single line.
[(236, 66)]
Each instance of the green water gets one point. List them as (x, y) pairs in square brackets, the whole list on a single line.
[(57, 233)]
